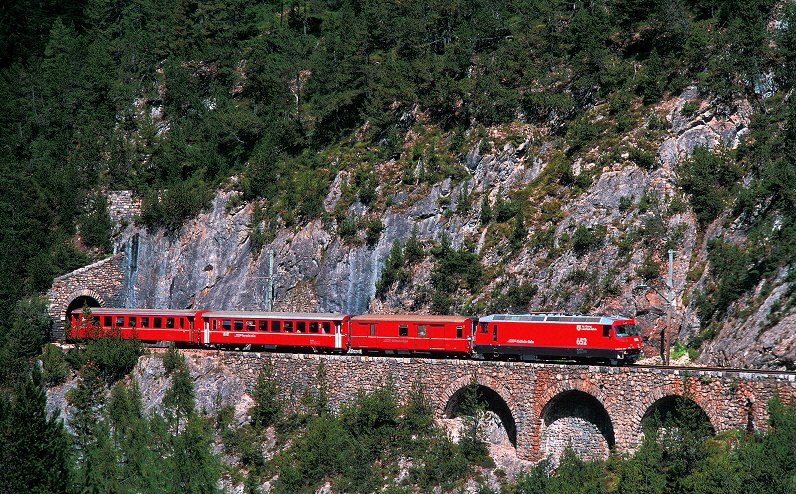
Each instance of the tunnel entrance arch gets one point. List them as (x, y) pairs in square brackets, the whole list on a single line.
[(76, 305), (494, 403), (577, 420)]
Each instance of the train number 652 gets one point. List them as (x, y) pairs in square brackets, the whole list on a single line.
[(580, 341)]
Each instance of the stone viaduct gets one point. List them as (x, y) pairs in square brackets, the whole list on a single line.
[(543, 407)]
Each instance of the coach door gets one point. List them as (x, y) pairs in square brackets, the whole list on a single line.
[(338, 335), (207, 331)]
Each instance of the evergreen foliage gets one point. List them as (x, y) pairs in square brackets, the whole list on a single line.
[(34, 456), (267, 409)]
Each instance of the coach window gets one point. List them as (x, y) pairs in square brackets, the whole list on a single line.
[(158, 322), (403, 330), (313, 326), (421, 330), (226, 325), (494, 332), (275, 326), (119, 321), (373, 330), (249, 325), (301, 327), (458, 331), (107, 321), (170, 322), (327, 327), (144, 322), (238, 325), (288, 326), (132, 321)]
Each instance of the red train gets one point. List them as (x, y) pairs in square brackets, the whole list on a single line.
[(521, 336)]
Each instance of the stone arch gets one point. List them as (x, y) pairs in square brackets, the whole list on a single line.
[(575, 419), (671, 408), (495, 403), (76, 300)]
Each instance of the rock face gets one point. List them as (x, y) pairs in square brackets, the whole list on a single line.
[(209, 263)]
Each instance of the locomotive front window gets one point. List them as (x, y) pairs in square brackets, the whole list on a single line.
[(626, 330), (403, 330), (107, 321), (158, 323), (484, 328)]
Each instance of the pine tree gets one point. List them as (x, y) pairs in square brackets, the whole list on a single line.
[(267, 408), (34, 449)]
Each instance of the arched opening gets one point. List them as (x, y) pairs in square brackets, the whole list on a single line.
[(77, 305), (676, 412), (577, 420), (494, 403)]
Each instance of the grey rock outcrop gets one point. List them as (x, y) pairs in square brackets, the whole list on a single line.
[(209, 263)]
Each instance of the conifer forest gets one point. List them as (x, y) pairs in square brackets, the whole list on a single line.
[(171, 99)]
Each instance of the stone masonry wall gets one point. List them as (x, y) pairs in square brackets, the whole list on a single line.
[(101, 281), (731, 400)]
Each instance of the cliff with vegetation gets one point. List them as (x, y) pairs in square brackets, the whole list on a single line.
[(414, 156)]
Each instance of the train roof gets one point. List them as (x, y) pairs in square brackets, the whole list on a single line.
[(550, 318), (309, 316), (413, 318), (140, 312)]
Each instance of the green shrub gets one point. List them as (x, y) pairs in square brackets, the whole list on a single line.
[(54, 365), (347, 229), (642, 159), (709, 179), (96, 226), (172, 359), (625, 203), (267, 409), (170, 208), (114, 357), (585, 238), (648, 270)]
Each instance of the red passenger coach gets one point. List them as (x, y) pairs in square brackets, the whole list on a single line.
[(147, 325), (272, 330), (534, 336), (380, 333)]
